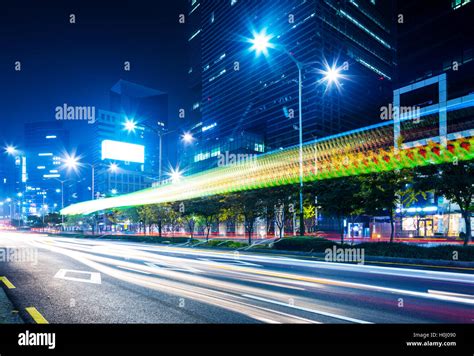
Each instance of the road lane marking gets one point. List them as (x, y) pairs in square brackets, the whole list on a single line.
[(36, 315), (276, 284), (350, 284), (336, 316), (452, 294), (133, 269), (161, 265), (94, 277), (231, 261), (7, 282)]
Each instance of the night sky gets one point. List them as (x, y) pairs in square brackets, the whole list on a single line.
[(78, 63)]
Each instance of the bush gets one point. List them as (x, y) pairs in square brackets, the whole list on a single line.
[(135, 238), (305, 244), (223, 243), (445, 252)]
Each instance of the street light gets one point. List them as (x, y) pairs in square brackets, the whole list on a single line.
[(175, 174), (114, 167), (261, 42), (130, 125), (72, 162), (332, 74), (62, 181), (187, 137), (11, 150)]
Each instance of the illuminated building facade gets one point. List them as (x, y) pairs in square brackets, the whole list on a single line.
[(44, 146), (121, 158), (244, 94)]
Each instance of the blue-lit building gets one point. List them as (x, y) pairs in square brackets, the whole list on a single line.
[(121, 158), (45, 144), (435, 56), (249, 104), (124, 148)]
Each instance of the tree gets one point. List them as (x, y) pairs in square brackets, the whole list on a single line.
[(174, 215), (35, 221), (250, 205), (129, 215), (207, 209), (454, 181), (278, 203), (338, 197), (145, 216), (154, 214), (309, 214), (52, 219), (382, 192), (189, 216), (72, 220)]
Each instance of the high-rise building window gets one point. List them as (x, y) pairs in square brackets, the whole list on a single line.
[(456, 4)]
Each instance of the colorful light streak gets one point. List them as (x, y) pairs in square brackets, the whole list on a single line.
[(361, 152)]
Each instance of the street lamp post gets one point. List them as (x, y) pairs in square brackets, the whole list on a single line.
[(62, 181), (260, 44), (130, 126)]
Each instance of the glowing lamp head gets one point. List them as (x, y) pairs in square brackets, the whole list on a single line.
[(332, 75), (175, 174), (113, 167), (10, 150), (261, 42), (187, 137), (130, 125), (71, 162)]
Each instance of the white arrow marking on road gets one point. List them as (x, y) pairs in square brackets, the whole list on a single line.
[(94, 277)]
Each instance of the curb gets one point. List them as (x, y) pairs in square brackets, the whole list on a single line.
[(7, 316)]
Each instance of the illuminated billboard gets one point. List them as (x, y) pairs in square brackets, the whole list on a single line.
[(123, 151)]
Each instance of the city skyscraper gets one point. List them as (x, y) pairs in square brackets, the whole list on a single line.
[(149, 108), (435, 48), (120, 156), (45, 144), (249, 102)]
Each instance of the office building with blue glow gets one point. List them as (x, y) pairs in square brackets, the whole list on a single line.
[(125, 144), (247, 102), (45, 143)]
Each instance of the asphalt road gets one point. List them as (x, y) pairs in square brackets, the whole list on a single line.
[(66, 280)]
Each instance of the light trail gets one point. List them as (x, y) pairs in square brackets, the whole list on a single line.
[(357, 153)]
